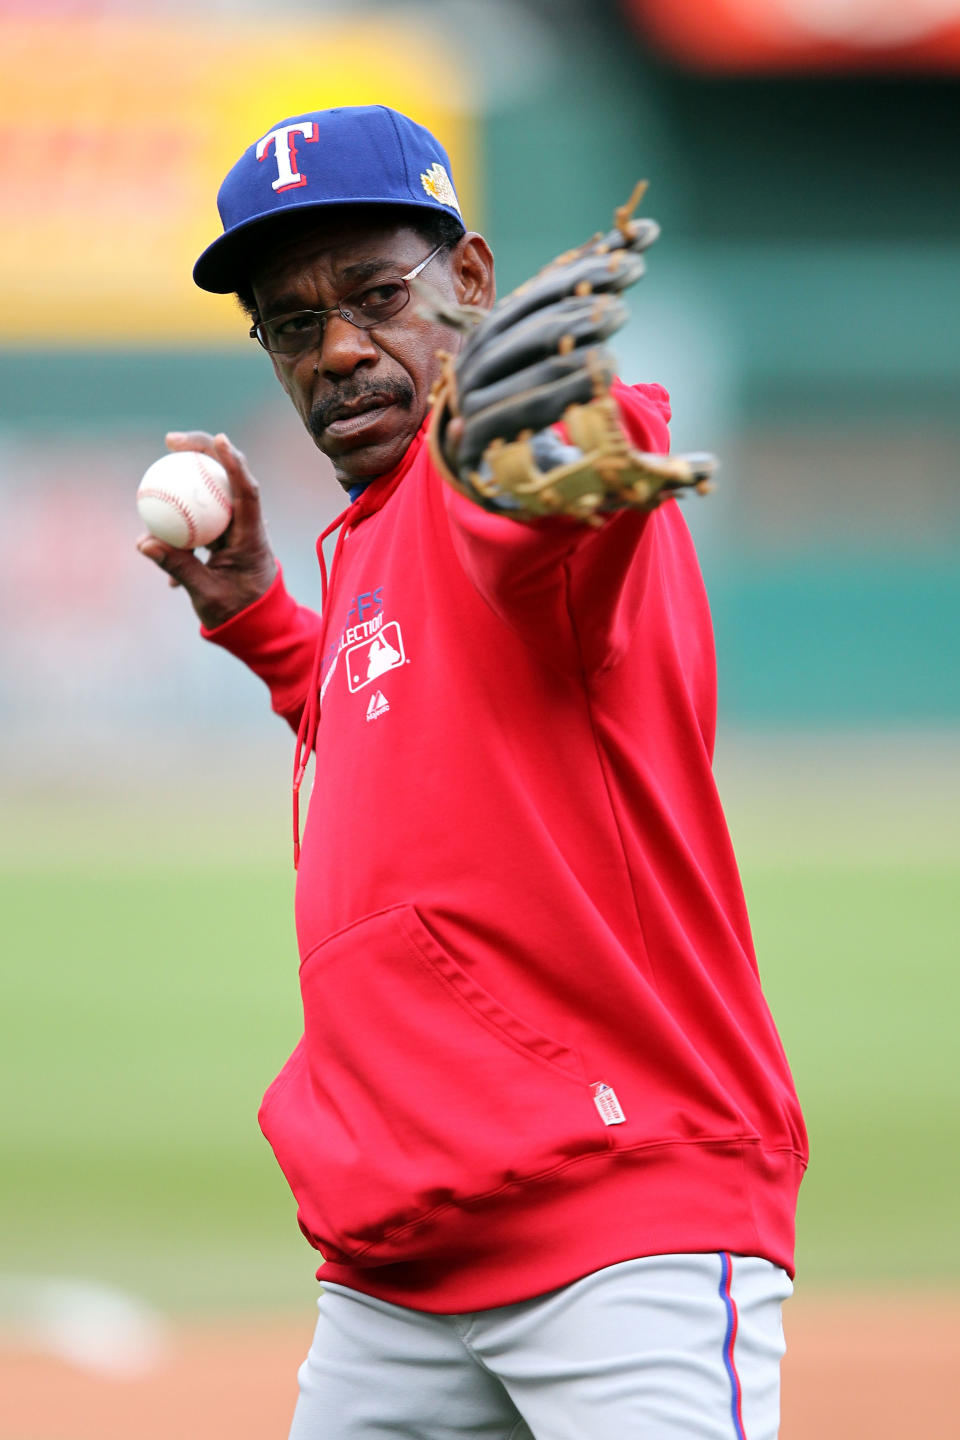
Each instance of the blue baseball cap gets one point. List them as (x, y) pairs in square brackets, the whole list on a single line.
[(353, 155)]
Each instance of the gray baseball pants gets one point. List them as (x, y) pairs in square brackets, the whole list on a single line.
[(673, 1347)]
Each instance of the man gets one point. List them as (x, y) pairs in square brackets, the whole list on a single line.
[(540, 1124)]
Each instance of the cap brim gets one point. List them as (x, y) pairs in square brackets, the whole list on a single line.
[(225, 266)]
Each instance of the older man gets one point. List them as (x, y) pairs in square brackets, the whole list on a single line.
[(540, 1124)]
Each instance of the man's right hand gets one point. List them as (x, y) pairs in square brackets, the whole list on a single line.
[(241, 565)]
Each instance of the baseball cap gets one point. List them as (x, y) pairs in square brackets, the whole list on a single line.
[(352, 155)]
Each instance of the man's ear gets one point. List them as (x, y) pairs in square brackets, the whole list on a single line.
[(473, 271)]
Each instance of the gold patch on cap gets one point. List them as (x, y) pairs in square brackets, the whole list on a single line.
[(437, 183)]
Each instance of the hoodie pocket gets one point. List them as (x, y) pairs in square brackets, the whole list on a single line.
[(413, 1089)]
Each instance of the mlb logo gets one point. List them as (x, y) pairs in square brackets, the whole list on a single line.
[(372, 658)]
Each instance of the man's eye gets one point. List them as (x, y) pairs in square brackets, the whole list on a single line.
[(378, 296), (297, 324)]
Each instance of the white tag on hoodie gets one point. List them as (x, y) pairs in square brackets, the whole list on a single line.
[(607, 1103)]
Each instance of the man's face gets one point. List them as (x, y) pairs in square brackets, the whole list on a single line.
[(363, 394)]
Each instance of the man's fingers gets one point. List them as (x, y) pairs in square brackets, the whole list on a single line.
[(182, 566), (246, 492), (247, 520), (154, 550), (240, 566), (219, 447), (190, 440)]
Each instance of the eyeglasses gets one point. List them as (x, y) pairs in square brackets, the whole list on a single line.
[(302, 330)]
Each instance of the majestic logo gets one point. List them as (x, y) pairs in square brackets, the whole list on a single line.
[(437, 183), (371, 658), (379, 705), (284, 141)]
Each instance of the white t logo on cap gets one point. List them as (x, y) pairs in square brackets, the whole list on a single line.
[(284, 140)]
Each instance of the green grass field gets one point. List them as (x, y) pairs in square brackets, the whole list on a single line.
[(150, 996)]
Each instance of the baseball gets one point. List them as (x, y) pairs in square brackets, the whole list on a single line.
[(185, 499)]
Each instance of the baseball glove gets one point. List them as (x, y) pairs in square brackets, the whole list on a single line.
[(538, 357)]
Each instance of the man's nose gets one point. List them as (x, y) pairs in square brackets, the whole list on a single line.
[(345, 347)]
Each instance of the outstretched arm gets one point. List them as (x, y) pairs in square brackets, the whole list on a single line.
[(554, 468)]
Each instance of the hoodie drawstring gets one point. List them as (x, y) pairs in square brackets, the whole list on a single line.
[(310, 719), (371, 498)]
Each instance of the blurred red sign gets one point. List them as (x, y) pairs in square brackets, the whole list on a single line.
[(767, 36)]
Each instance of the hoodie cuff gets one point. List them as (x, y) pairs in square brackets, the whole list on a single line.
[(277, 639), (257, 622)]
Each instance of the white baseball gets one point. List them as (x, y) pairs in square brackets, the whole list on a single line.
[(185, 499)]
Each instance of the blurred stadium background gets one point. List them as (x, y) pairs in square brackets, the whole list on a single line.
[(803, 309)]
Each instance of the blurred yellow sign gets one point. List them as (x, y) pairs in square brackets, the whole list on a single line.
[(115, 135)]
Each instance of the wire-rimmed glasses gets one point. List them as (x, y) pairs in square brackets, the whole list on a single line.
[(301, 330)]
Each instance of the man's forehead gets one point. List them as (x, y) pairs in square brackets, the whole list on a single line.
[(336, 248)]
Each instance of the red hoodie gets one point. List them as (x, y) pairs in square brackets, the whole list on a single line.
[(534, 1040)]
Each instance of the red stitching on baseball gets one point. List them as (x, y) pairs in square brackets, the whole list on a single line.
[(210, 481), (179, 506)]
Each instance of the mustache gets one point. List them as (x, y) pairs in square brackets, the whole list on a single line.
[(398, 391)]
